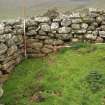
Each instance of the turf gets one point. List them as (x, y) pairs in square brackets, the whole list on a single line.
[(60, 78)]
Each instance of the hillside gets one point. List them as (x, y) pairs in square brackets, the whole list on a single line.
[(13, 8)]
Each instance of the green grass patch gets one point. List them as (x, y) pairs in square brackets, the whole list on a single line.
[(64, 78)]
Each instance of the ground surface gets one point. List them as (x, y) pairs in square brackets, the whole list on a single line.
[(59, 79)]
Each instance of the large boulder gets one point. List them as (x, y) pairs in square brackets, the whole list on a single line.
[(3, 48)]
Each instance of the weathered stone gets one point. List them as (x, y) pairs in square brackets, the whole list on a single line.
[(42, 19), (45, 27), (95, 24), (66, 22), (3, 48), (74, 15), (74, 40), (30, 22), (99, 40), (8, 65), (64, 36), (49, 41), (95, 33), (41, 32), (54, 26), (90, 37), (64, 30), (103, 27), (41, 37), (99, 19), (46, 50), (2, 27), (37, 45), (84, 26), (76, 21), (12, 50), (7, 29), (58, 42), (88, 19), (91, 28), (82, 31), (31, 32), (102, 34), (75, 26), (10, 42)]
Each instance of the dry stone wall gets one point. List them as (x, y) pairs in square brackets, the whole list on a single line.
[(43, 34)]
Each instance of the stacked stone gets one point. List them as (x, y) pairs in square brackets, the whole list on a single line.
[(45, 34), (11, 42)]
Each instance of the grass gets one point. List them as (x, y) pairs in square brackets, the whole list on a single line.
[(59, 79)]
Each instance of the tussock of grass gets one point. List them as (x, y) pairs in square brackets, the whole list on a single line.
[(59, 79)]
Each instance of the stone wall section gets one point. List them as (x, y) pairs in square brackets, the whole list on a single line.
[(43, 34)]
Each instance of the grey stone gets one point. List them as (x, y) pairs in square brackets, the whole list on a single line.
[(11, 50), (66, 22), (42, 19), (95, 33), (82, 31), (41, 32), (54, 26), (10, 42), (2, 27), (30, 22), (74, 40), (31, 32), (88, 19), (64, 30), (58, 42), (103, 27), (90, 37), (3, 48), (64, 36), (76, 21), (45, 27), (75, 26), (99, 40), (99, 19), (7, 29), (102, 34), (46, 50), (49, 41), (84, 26), (37, 45)]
